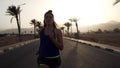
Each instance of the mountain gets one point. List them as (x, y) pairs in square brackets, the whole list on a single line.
[(23, 30), (110, 25)]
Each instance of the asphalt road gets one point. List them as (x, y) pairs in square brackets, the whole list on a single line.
[(73, 56), (84, 56)]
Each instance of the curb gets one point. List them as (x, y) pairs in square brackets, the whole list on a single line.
[(97, 45), (13, 46)]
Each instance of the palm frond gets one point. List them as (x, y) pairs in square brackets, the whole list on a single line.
[(71, 20), (11, 19), (18, 10), (13, 10), (75, 19), (33, 21), (67, 24), (10, 13), (117, 1)]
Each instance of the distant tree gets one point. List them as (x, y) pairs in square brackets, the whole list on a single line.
[(31, 32), (15, 11), (62, 28), (71, 24), (106, 31), (25, 32), (66, 33), (39, 24), (116, 30), (33, 22), (75, 20), (99, 30), (76, 35), (68, 25), (13, 33)]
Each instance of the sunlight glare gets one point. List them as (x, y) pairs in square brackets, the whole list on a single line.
[(88, 13)]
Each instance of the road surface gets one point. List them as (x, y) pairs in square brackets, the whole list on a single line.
[(73, 56)]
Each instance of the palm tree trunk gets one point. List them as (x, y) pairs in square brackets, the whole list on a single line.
[(77, 30), (63, 32), (19, 30), (77, 33), (68, 31), (34, 30), (71, 31)]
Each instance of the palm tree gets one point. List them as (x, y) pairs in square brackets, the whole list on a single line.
[(33, 22), (25, 32), (68, 25), (75, 20), (38, 24), (14, 12), (62, 28), (31, 32), (117, 1), (71, 23)]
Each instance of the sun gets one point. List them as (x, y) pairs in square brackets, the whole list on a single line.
[(87, 14)]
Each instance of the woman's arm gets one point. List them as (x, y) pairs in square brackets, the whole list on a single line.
[(59, 42)]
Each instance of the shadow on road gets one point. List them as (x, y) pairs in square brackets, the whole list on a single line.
[(70, 60)]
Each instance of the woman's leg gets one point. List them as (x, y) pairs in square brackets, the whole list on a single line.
[(42, 63), (44, 66)]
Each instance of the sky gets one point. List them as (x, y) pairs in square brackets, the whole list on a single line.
[(89, 12)]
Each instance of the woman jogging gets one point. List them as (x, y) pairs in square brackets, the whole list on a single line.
[(51, 42)]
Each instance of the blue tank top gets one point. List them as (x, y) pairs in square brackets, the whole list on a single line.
[(47, 47)]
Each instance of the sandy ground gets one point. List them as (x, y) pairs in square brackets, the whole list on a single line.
[(4, 41), (111, 39)]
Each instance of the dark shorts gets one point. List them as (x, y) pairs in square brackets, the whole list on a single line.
[(51, 62)]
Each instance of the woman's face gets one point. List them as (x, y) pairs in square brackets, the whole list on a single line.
[(49, 19)]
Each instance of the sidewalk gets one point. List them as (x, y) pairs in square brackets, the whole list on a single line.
[(98, 45), (12, 46)]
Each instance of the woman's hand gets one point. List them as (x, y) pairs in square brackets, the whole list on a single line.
[(51, 35), (59, 42)]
